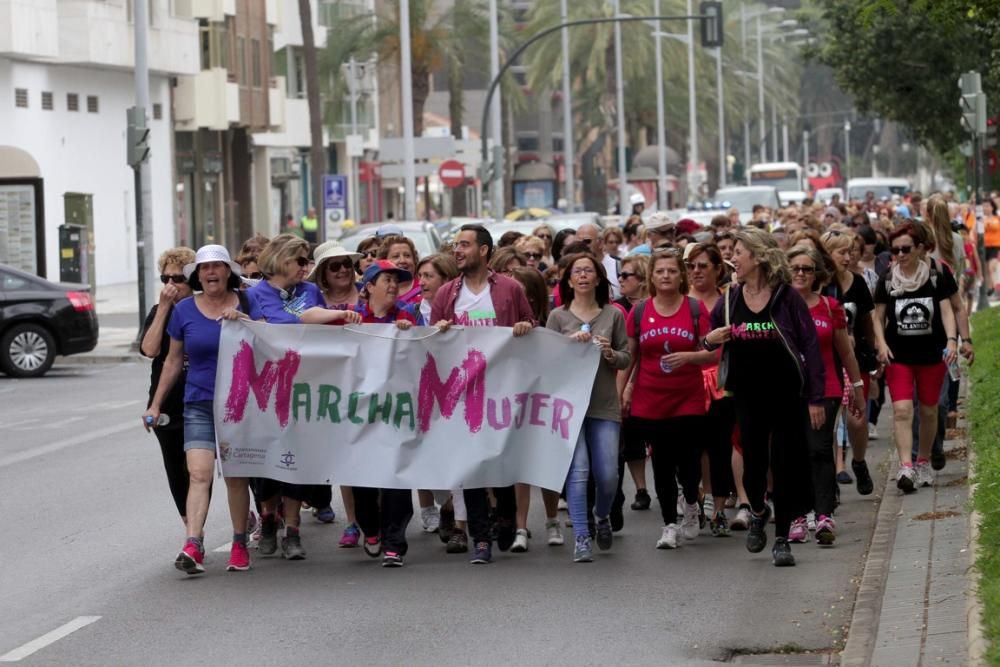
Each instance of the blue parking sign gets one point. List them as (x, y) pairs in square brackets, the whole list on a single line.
[(334, 191)]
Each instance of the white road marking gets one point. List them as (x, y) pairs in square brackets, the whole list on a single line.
[(22, 652), (53, 425), (20, 423), (134, 424), (224, 548)]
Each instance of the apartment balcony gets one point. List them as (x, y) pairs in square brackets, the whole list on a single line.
[(276, 104), (209, 99), (29, 28)]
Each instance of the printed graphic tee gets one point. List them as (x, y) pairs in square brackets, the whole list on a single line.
[(662, 392), (276, 306), (475, 310), (758, 360), (914, 330), (827, 320)]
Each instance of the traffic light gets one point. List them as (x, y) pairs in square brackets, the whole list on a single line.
[(136, 137), (973, 103), (711, 27)]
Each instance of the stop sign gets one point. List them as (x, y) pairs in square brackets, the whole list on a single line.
[(452, 173)]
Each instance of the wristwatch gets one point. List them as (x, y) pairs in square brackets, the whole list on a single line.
[(857, 384)]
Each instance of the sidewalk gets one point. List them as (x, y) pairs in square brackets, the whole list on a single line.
[(917, 592), (118, 319)]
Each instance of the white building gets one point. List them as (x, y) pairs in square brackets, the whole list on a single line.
[(66, 81)]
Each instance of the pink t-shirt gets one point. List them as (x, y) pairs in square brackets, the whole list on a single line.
[(828, 320), (662, 392)]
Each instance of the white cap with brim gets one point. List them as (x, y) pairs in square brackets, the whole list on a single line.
[(659, 222), (211, 253)]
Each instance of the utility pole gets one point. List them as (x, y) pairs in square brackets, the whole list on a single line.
[(692, 114), (143, 184), (406, 80), (722, 117), (569, 159), (496, 187), (355, 199), (620, 94), (661, 129), (760, 94)]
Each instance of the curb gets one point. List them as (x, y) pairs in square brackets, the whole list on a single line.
[(977, 642), (863, 630), (98, 359)]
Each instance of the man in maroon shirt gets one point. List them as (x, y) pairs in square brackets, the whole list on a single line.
[(480, 297)]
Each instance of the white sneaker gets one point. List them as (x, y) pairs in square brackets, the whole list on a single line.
[(925, 475), (872, 432), (520, 544), (811, 521), (562, 506), (742, 520), (680, 501), (689, 525), (906, 480), (431, 518), (668, 540), (708, 506), (555, 535)]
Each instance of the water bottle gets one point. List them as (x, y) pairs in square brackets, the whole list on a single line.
[(585, 327), (664, 365), (953, 370), (162, 420)]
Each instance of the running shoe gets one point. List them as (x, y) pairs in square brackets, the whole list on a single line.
[(811, 521), (268, 544), (925, 476), (252, 522), (680, 501), (799, 532), (781, 553), (742, 520), (554, 533), (239, 558), (906, 480), (373, 546), (520, 544), (863, 477), (690, 524), (458, 543), (826, 530), (708, 506), (446, 525), (938, 460), (325, 515), (720, 525), (872, 431), (844, 477), (605, 538), (642, 500), (291, 545), (505, 534), (351, 537), (562, 506), (431, 518), (583, 552), (483, 554), (392, 559), (191, 559), (757, 534), (668, 538)]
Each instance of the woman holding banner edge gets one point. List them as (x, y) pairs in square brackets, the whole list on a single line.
[(194, 330)]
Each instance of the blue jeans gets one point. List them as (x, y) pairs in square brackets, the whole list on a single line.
[(597, 450), (199, 426)]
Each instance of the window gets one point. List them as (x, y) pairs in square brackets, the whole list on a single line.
[(12, 283), (255, 61), (157, 111), (72, 102), (241, 60), (213, 45), (91, 103), (47, 100), (21, 98)]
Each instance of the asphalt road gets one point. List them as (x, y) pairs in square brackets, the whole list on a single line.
[(92, 532)]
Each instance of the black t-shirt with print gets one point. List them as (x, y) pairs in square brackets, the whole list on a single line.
[(173, 402), (757, 355), (857, 302), (914, 330)]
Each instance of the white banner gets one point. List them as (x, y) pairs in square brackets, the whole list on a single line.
[(370, 405)]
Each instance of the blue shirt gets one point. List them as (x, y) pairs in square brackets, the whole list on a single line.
[(200, 337), (268, 304)]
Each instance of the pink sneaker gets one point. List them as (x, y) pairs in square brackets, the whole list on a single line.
[(825, 530), (350, 538), (799, 532), (190, 560), (239, 558)]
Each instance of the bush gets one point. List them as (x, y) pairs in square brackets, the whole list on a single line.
[(984, 420)]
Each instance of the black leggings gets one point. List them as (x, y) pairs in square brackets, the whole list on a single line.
[(773, 436), (719, 425), (676, 455), (477, 506), (388, 515), (821, 461), (175, 463)]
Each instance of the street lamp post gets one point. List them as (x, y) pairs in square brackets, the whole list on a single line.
[(847, 149), (406, 80), (661, 130), (692, 113), (569, 160), (760, 92), (720, 100), (496, 187), (620, 96)]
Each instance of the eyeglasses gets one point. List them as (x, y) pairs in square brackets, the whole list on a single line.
[(256, 275), (905, 249), (370, 254), (176, 278), (544, 237), (302, 261), (533, 255), (583, 271), (702, 266), (336, 265), (803, 269), (625, 275)]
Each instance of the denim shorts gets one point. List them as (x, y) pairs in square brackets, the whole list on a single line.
[(199, 426)]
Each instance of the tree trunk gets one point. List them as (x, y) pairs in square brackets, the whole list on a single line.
[(316, 156), (455, 111)]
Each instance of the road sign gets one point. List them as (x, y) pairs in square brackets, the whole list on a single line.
[(452, 173), (334, 191)]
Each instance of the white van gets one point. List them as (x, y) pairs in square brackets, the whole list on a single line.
[(882, 187)]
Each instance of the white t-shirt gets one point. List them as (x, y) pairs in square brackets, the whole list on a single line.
[(611, 268), (425, 311), (475, 310)]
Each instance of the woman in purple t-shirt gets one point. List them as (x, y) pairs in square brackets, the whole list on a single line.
[(194, 329)]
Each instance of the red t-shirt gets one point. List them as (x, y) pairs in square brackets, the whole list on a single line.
[(368, 317), (827, 320), (662, 392)]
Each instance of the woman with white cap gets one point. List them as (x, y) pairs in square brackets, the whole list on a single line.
[(194, 330), (334, 275)]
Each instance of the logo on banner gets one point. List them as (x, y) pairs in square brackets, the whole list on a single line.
[(288, 459)]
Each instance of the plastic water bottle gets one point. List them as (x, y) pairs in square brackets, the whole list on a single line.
[(585, 327), (664, 365), (953, 371), (162, 420)]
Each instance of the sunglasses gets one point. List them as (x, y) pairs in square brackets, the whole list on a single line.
[(544, 237), (905, 249), (585, 241), (703, 266), (370, 254), (533, 255), (177, 278), (338, 264), (302, 261), (803, 269), (256, 275), (625, 275)]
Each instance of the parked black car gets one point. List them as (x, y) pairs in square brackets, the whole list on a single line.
[(41, 319)]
